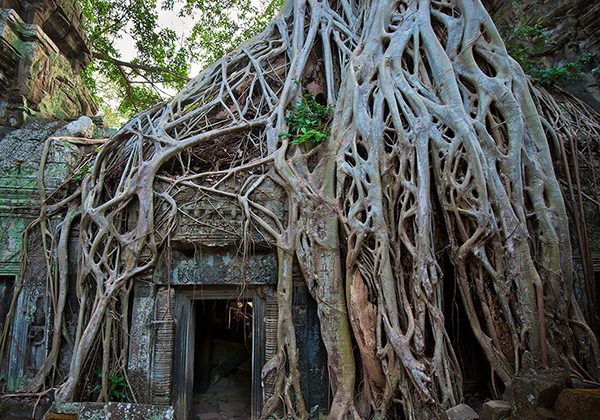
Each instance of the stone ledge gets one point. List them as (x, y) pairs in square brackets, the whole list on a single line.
[(61, 20), (495, 410), (36, 76), (109, 411)]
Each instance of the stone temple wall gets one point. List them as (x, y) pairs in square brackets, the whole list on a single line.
[(42, 52), (21, 152), (61, 21), (572, 29)]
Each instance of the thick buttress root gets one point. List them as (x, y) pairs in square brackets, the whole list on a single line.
[(436, 146)]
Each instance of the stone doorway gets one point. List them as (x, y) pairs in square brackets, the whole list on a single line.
[(198, 376), (222, 383)]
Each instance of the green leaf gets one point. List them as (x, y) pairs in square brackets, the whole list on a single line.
[(220, 27)]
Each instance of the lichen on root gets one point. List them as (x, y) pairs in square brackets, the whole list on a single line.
[(435, 146)]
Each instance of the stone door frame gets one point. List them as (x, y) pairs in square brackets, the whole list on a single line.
[(185, 314)]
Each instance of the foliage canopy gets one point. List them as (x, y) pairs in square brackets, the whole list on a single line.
[(162, 58)]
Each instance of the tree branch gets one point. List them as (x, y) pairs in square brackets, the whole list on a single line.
[(135, 66)]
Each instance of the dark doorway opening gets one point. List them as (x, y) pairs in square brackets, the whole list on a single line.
[(474, 365), (222, 384), (7, 285)]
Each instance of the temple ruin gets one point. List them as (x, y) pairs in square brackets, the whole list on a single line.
[(201, 324)]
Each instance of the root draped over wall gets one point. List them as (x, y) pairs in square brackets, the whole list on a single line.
[(436, 147)]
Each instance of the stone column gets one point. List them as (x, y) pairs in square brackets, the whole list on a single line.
[(140, 348), (162, 357)]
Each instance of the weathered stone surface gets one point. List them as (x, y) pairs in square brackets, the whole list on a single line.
[(113, 411), (36, 76), (572, 29), (61, 21), (578, 404), (20, 156), (140, 350), (162, 358), (81, 127), (534, 393), (461, 412), (495, 410)]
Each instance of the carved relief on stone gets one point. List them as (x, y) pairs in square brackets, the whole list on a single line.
[(222, 268), (213, 220), (163, 341), (140, 351), (271, 311), (28, 343), (186, 272)]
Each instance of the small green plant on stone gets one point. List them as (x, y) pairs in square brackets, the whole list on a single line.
[(561, 74), (528, 40), (78, 177), (308, 121), (116, 386), (528, 28)]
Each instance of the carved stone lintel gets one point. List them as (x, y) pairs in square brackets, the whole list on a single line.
[(224, 268)]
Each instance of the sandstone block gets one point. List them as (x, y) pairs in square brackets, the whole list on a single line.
[(578, 404), (461, 412), (82, 127), (495, 410), (534, 393)]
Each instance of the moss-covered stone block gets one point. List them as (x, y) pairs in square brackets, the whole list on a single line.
[(36, 77)]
